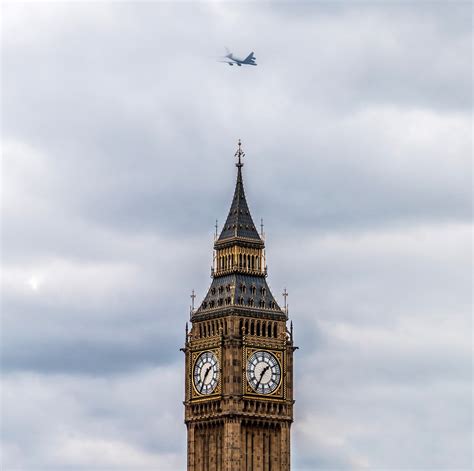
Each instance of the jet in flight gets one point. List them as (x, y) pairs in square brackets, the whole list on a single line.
[(230, 59)]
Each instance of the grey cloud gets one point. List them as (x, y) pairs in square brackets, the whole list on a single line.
[(119, 131), (93, 423)]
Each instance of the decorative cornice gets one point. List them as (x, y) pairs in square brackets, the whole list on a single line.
[(243, 311), (240, 241)]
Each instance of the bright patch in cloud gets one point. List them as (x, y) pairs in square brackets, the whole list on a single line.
[(34, 283)]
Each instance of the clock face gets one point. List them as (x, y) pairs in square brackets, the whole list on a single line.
[(263, 372), (206, 373)]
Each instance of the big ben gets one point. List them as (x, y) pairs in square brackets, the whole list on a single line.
[(239, 357)]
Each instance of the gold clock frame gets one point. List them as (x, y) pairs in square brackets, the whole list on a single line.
[(195, 394), (280, 390)]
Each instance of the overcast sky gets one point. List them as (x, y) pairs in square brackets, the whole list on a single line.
[(119, 128)]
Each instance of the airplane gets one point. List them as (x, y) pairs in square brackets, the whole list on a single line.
[(230, 59)]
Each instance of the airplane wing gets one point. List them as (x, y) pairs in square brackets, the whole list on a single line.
[(250, 59)]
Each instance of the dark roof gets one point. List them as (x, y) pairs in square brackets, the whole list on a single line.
[(239, 222), (239, 291)]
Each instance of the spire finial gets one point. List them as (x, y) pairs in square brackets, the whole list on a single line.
[(285, 295), (192, 296), (239, 154)]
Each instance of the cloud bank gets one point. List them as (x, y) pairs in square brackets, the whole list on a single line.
[(119, 130)]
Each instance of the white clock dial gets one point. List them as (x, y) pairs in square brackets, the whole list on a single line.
[(206, 373), (263, 372)]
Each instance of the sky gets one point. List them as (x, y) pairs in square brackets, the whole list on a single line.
[(119, 129)]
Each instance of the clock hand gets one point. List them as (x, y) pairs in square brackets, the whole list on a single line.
[(207, 372), (261, 375), (205, 376)]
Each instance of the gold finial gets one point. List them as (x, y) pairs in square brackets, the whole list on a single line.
[(239, 154)]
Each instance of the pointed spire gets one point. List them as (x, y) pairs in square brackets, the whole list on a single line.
[(239, 222)]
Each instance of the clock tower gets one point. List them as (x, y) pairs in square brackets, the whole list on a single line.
[(239, 357)]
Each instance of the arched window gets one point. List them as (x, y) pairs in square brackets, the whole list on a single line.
[(252, 328), (269, 330), (274, 330), (258, 327), (264, 329)]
